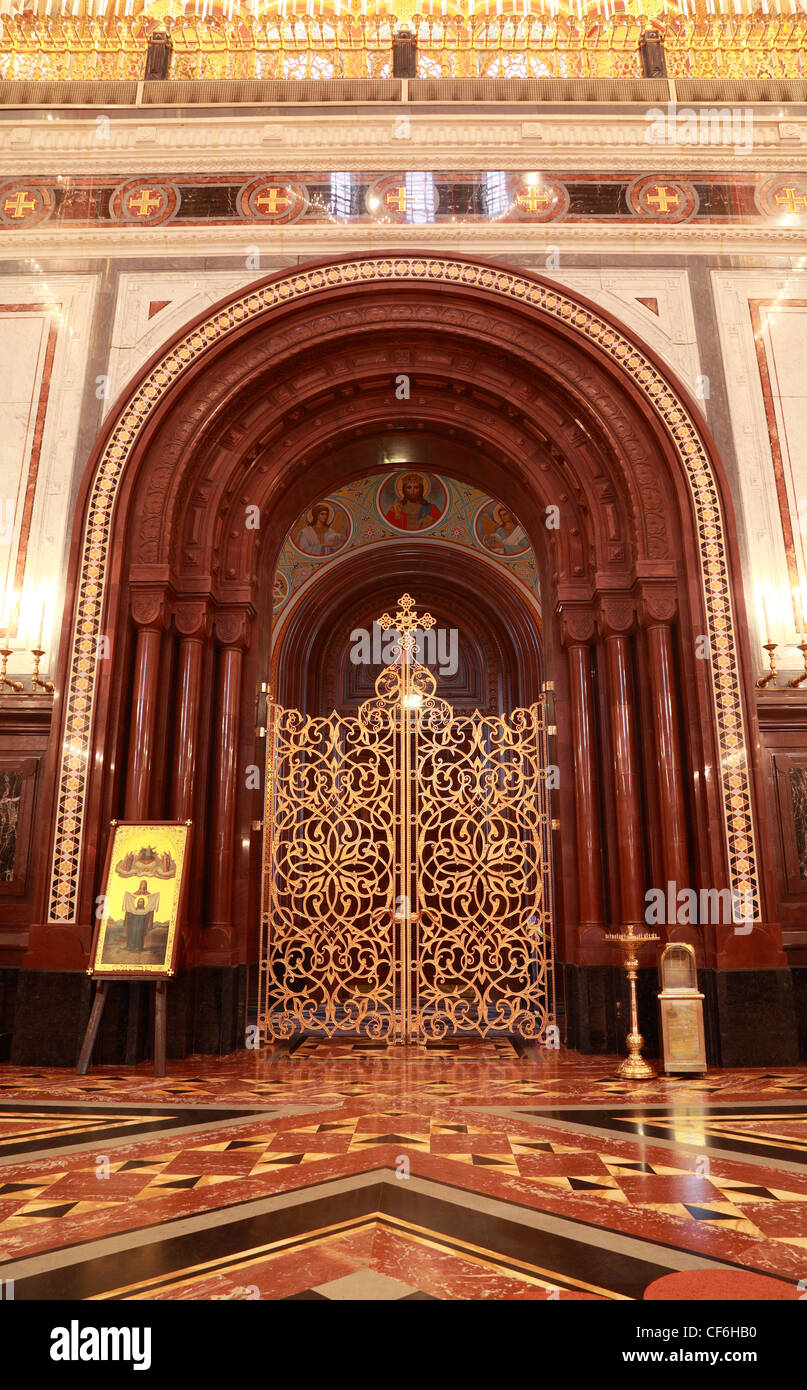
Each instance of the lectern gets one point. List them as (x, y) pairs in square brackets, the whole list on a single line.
[(681, 1005)]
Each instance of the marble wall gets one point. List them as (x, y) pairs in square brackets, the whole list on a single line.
[(763, 336), (46, 329)]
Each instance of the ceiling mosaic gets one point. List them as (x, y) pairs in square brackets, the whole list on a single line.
[(382, 508)]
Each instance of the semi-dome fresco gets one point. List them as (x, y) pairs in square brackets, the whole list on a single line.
[(376, 510)]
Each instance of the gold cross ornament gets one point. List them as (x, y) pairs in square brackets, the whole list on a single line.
[(406, 621), (397, 200), (793, 201), (534, 200), (20, 205), (666, 198), (148, 199), (271, 201)]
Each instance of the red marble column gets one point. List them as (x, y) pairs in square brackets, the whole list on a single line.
[(578, 632), (657, 615), (192, 624), (617, 621), (231, 631), (148, 611)]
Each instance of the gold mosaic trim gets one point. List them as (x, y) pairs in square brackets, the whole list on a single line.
[(726, 689)]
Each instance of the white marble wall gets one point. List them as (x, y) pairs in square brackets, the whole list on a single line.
[(140, 328), (762, 320), (670, 331), (45, 334)]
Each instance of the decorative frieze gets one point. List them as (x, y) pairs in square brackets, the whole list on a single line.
[(402, 136)]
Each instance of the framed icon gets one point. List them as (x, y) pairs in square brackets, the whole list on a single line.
[(140, 910)]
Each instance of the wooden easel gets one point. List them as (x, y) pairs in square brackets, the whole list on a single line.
[(160, 1026)]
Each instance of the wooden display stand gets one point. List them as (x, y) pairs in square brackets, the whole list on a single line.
[(137, 934), (160, 1026)]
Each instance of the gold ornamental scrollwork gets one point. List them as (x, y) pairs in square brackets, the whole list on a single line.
[(407, 889), (273, 44)]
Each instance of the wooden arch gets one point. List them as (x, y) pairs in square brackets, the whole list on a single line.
[(275, 396)]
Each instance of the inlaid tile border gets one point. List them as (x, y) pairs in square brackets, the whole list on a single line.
[(295, 286)]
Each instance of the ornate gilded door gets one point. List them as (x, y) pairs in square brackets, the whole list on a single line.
[(407, 886)]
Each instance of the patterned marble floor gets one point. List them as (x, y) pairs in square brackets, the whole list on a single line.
[(328, 1173)]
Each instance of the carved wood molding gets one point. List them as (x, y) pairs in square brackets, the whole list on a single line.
[(617, 614), (193, 619), (232, 628), (150, 610), (658, 605), (578, 624), (292, 401)]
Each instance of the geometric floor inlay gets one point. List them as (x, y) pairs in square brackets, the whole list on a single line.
[(343, 1179)]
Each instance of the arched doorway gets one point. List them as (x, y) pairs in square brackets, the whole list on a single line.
[(407, 872), (545, 404)]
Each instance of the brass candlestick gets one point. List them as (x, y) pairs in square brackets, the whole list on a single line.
[(5, 653), (797, 680), (634, 1066), (36, 684), (770, 648)]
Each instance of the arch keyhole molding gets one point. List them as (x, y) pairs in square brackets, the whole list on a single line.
[(542, 401)]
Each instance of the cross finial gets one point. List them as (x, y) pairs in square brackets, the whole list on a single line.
[(407, 618)]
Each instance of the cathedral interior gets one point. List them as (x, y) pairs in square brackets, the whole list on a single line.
[(403, 652)]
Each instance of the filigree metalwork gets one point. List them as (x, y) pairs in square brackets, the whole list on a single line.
[(484, 888), (327, 960), (407, 876)]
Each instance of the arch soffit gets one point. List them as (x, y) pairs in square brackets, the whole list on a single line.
[(244, 439)]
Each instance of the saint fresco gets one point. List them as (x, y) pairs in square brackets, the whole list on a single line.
[(322, 530), (500, 531)]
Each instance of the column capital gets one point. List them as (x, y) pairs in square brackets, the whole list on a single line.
[(578, 624), (658, 605), (617, 615), (192, 619), (232, 627), (150, 608)]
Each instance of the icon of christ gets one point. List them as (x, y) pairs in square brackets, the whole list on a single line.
[(139, 909), (413, 509)]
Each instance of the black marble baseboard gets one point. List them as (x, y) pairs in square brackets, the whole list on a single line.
[(799, 973), (750, 1016), (50, 1017), (8, 994), (206, 1014), (597, 1008), (754, 1018)]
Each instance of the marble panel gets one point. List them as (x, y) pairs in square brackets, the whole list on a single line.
[(45, 341), (762, 319)]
